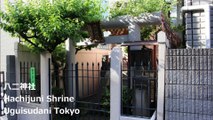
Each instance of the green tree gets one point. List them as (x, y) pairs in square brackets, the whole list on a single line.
[(138, 7), (44, 25)]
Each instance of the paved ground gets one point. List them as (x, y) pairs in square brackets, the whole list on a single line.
[(3, 118)]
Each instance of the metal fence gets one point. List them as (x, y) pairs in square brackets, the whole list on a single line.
[(92, 91), (25, 78), (189, 85), (2, 91), (92, 88), (139, 84)]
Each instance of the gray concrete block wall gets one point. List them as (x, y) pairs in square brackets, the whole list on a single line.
[(195, 29), (197, 2), (195, 25), (189, 84), (211, 14)]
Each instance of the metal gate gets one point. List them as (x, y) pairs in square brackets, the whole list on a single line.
[(139, 81), (139, 92), (92, 91)]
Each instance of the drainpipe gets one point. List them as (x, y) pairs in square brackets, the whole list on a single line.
[(207, 9)]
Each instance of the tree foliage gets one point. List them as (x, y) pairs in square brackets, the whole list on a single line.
[(44, 24), (136, 7)]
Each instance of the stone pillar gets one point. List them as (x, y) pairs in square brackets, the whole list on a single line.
[(161, 74), (115, 84), (45, 81), (134, 35), (11, 78), (70, 80), (134, 32)]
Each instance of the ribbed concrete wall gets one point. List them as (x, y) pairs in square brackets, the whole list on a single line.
[(189, 84)]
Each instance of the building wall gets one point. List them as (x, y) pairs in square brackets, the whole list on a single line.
[(197, 2), (25, 56), (195, 24), (195, 29), (93, 56), (7, 44), (189, 85), (94, 59)]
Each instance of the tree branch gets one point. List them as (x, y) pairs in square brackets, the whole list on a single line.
[(34, 36), (25, 37)]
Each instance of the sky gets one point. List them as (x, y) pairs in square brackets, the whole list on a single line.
[(108, 3)]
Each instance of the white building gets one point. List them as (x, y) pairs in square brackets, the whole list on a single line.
[(7, 44)]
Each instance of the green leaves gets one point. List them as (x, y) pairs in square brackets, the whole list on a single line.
[(136, 7), (44, 24)]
